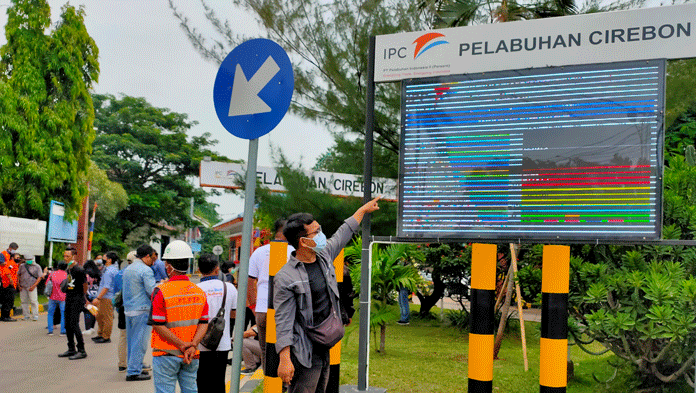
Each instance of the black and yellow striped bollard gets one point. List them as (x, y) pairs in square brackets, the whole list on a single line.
[(553, 351), (335, 353), (271, 382), (482, 318)]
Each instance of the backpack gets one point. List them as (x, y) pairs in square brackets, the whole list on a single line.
[(216, 326), (48, 290)]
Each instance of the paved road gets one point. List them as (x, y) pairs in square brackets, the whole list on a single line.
[(530, 314), (30, 363)]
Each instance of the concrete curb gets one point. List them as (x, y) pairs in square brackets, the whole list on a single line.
[(17, 311)]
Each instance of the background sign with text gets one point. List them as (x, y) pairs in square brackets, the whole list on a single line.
[(227, 175), (650, 33)]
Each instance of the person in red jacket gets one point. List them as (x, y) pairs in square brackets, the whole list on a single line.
[(8, 286)]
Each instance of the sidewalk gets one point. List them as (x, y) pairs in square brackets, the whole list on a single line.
[(31, 363), (529, 314)]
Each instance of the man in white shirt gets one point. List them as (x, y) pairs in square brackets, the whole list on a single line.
[(212, 364), (257, 288)]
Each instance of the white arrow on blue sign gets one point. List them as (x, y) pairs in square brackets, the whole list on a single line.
[(253, 88)]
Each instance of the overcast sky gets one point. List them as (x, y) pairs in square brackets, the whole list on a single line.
[(144, 53)]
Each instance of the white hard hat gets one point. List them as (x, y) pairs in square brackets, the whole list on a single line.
[(178, 249), (131, 256)]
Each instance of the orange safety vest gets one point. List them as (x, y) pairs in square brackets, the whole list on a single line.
[(184, 302), (10, 268)]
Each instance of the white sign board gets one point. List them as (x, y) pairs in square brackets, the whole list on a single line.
[(650, 33), (30, 235), (229, 175)]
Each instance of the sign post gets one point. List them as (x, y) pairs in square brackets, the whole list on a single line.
[(59, 230), (252, 93), (217, 250)]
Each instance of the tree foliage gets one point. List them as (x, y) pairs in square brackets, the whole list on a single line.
[(147, 151), (328, 42), (393, 267), (679, 97), (449, 265), (329, 210), (639, 301), (109, 196), (46, 111)]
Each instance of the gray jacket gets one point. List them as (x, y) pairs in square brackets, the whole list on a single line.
[(292, 297)]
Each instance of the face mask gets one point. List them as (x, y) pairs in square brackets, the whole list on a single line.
[(30, 261), (320, 241)]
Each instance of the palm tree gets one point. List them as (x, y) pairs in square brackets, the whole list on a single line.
[(392, 268), (452, 13)]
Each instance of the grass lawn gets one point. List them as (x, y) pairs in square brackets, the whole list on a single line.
[(428, 356), (43, 299)]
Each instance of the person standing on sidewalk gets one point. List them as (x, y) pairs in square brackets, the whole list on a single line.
[(158, 269), (257, 288), (57, 297), (211, 369), (29, 278), (305, 294), (120, 310), (8, 276), (179, 320), (75, 301), (403, 305), (105, 315), (138, 284)]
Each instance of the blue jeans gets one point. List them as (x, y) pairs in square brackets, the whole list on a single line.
[(51, 311), (166, 370), (136, 334), (403, 304)]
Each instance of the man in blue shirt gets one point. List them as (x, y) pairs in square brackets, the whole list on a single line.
[(105, 294), (138, 284), (158, 269)]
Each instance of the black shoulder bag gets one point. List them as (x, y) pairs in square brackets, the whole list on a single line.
[(216, 326)]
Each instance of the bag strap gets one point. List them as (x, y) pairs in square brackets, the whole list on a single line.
[(28, 271), (221, 311), (224, 298)]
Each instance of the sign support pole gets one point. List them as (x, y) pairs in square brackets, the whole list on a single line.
[(366, 264), (247, 226), (50, 255)]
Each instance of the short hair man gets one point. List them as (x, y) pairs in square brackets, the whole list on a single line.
[(30, 276), (121, 321), (99, 261), (158, 269), (138, 284), (8, 275), (257, 288), (179, 319), (211, 369), (305, 293), (105, 295), (75, 301)]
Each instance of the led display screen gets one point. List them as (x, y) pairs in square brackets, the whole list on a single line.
[(563, 153)]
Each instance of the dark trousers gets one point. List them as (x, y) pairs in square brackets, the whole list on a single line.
[(261, 324), (211, 371), (73, 309), (90, 319), (7, 296), (314, 379)]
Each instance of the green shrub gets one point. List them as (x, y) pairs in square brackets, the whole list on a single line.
[(458, 318)]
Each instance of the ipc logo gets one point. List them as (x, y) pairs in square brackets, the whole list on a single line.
[(422, 43), (427, 41)]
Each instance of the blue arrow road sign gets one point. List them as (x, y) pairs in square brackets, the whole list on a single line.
[(253, 88)]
